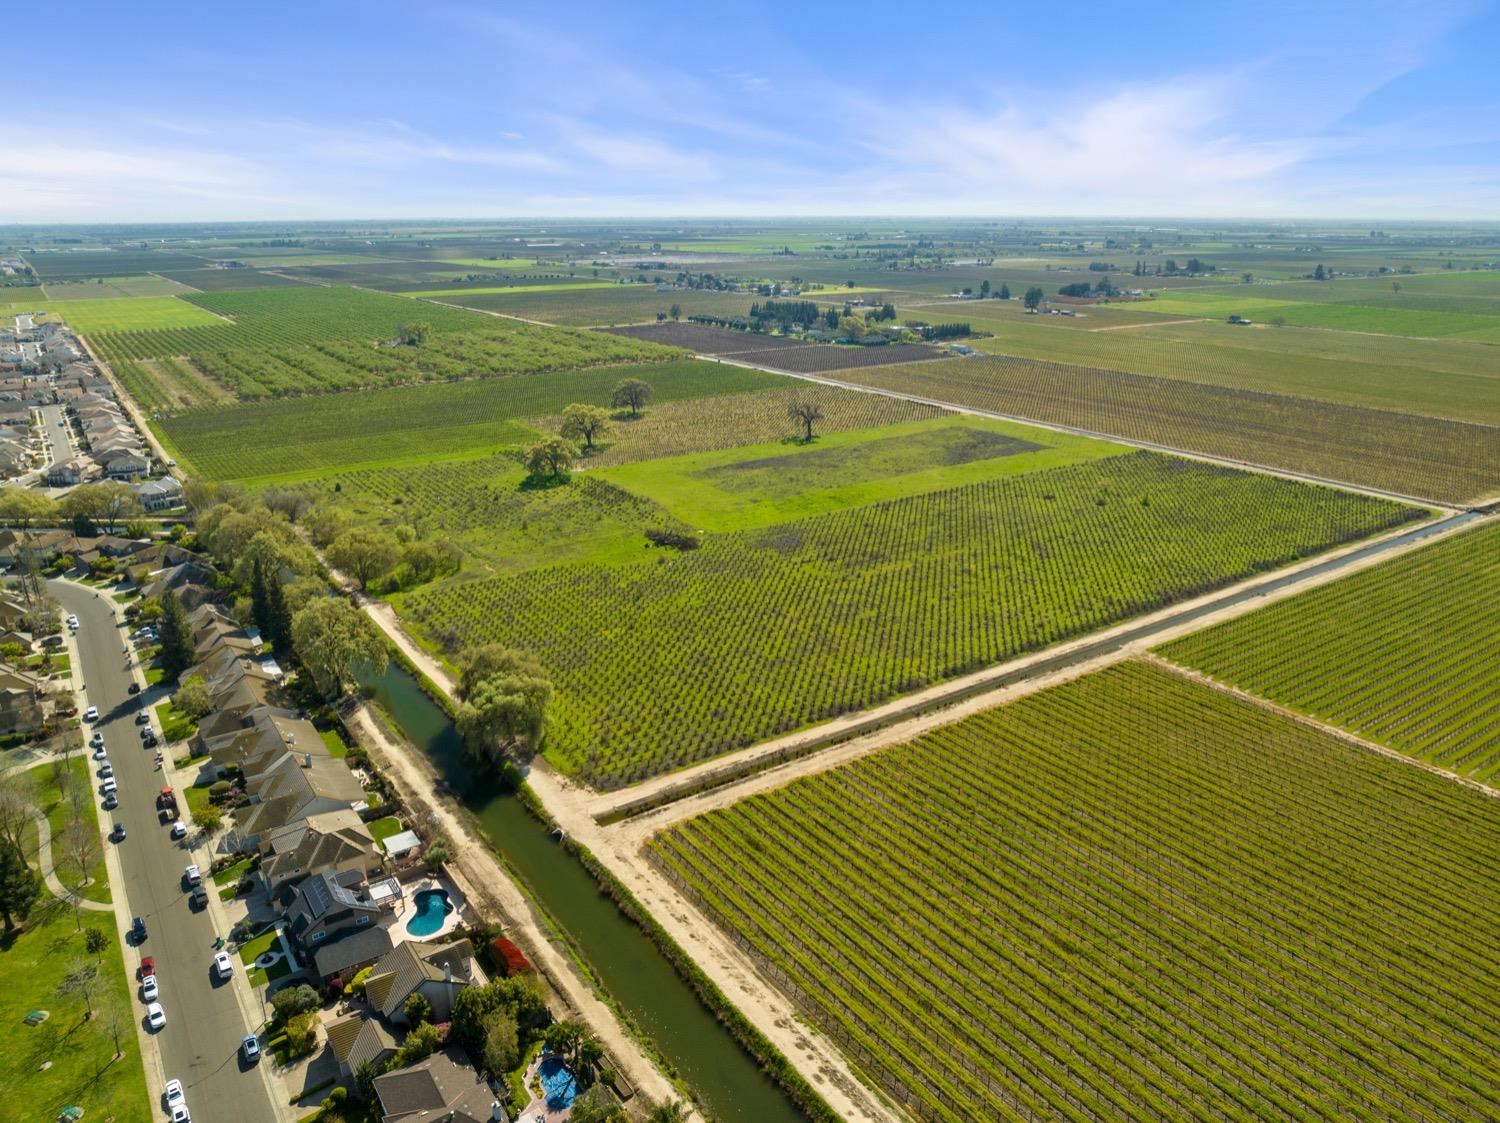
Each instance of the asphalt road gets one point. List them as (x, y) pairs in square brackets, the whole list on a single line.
[(200, 1043)]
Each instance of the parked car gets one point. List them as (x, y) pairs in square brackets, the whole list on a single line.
[(118, 834), (250, 1048), (91, 714), (97, 739), (149, 989), (147, 967), (191, 875), (179, 830), (149, 741), (73, 622), (100, 752), (143, 718), (175, 1097), (138, 930), (156, 1017), (199, 899), (134, 688), (109, 787), (106, 769), (223, 965), (180, 1114), (111, 801)]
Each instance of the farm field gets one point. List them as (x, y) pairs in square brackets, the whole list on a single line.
[(823, 358), (1396, 319), (1456, 380), (1406, 653), (560, 285), (102, 288), (708, 340), (307, 437), (1128, 897), (134, 314), (73, 265), (613, 304), (227, 280), (741, 488), (685, 656), (673, 428), (1403, 453)]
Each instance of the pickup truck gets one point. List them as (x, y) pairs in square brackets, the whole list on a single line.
[(166, 805)]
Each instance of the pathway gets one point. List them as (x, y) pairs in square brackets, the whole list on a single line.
[(49, 871)]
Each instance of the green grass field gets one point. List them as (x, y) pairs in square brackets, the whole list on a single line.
[(1403, 453), (100, 288), (133, 314), (1130, 897), (1406, 653), (312, 436), (758, 485), (681, 657), (50, 798)]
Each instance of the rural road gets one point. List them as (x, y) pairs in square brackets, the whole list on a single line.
[(205, 1020)]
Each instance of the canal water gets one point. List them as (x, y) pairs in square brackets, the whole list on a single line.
[(729, 1081)]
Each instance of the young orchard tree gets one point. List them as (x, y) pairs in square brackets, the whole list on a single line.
[(584, 423), (805, 413), (552, 457), (631, 394)]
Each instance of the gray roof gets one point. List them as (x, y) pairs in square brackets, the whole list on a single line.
[(441, 1083), (353, 950)]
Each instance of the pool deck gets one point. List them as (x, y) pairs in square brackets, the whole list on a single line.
[(537, 1110), (395, 922)]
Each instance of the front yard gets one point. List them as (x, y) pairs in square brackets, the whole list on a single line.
[(175, 725)]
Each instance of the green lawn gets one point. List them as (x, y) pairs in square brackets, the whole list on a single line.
[(744, 488), (175, 725), (231, 874), (382, 829), (336, 747), (154, 675), (197, 799), (59, 815), (141, 313), (252, 950)]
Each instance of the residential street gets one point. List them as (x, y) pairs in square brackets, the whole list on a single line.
[(206, 1019)]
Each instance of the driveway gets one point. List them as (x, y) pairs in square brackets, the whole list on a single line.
[(205, 1018)]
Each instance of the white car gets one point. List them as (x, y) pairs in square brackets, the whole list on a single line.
[(91, 714), (109, 786), (73, 623), (106, 769), (180, 1114), (223, 965), (175, 1097), (193, 877), (100, 752), (97, 739), (179, 830), (149, 991), (156, 1017)]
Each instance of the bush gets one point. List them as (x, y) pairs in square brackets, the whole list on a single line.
[(293, 1002), (302, 1033), (508, 958)]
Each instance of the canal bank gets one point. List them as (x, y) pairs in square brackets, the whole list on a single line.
[(663, 1002)]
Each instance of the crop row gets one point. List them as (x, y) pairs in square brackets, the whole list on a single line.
[(1129, 897), (1441, 460), (762, 632), (1406, 653), (329, 432)]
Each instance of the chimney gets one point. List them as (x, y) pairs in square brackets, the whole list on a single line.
[(307, 760)]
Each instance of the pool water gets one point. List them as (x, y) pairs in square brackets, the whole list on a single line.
[(558, 1084), (433, 908)]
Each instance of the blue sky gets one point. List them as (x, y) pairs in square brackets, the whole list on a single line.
[(155, 111)]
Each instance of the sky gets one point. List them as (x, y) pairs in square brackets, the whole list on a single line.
[(154, 111)]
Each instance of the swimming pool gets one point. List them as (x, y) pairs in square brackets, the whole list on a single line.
[(433, 907), (558, 1084)]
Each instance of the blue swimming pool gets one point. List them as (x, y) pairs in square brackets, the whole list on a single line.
[(433, 907), (558, 1084)]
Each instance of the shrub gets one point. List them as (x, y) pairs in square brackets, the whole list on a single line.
[(508, 958)]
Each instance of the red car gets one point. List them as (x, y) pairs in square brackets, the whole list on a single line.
[(147, 967)]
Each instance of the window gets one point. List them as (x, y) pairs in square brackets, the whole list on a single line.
[(318, 935), (362, 920)]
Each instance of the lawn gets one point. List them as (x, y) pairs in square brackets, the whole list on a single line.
[(175, 725), (382, 829), (196, 797), (682, 656), (136, 313), (336, 747), (741, 488), (252, 950), (60, 814)]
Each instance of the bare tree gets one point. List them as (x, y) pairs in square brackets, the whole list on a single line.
[(81, 842), (114, 1017), (18, 800), (805, 413), (82, 980)]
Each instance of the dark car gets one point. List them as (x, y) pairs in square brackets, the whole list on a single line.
[(135, 688), (143, 718), (149, 742), (200, 897), (138, 930), (118, 834)]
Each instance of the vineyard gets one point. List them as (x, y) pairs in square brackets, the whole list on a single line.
[(1127, 898), (708, 340), (617, 304), (1404, 453), (824, 358), (732, 420), (314, 435), (683, 657), (1406, 653), (487, 507)]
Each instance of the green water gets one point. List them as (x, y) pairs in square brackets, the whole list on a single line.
[(732, 1087)]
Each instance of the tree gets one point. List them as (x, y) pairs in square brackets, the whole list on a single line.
[(500, 711), (288, 1002), (831, 319), (436, 853), (676, 312), (193, 698), (18, 808), (1034, 297), (277, 626), (94, 942), (1004, 291), (23, 507), (333, 639), (984, 289), (414, 333), (20, 885), (632, 394), (420, 1044), (301, 1034), (475, 664), (596, 1107), (177, 650), (584, 423), (502, 1050), (80, 840), (551, 457), (674, 1111), (418, 1009), (81, 980), (292, 502), (364, 553), (805, 413), (115, 1016), (109, 502), (364, 1080), (474, 1005), (1320, 274), (208, 818)]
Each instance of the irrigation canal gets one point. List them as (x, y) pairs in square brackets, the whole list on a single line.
[(729, 1081)]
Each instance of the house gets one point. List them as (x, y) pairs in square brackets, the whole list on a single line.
[(285, 782), (124, 463), (439, 972), (441, 1089), (156, 557), (347, 956), (158, 495), (325, 906), (21, 697), (44, 545), (333, 842), (179, 577), (76, 471), (358, 1039)]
